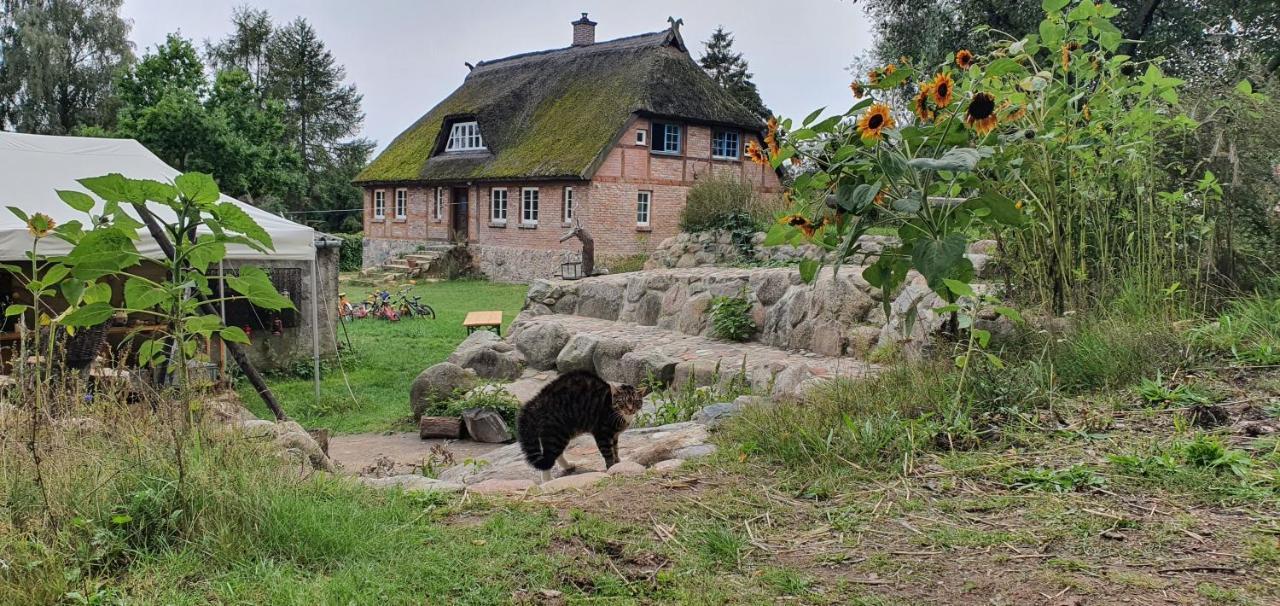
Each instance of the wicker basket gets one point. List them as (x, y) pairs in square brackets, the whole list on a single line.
[(81, 349)]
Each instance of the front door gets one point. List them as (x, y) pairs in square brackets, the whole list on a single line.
[(459, 222)]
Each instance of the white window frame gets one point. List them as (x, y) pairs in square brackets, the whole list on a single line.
[(529, 205), (438, 211), (665, 139), (737, 147), (402, 203), (464, 136), (642, 137), (495, 217), (644, 208), (567, 207), (379, 204)]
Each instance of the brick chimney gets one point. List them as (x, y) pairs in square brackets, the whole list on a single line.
[(584, 31)]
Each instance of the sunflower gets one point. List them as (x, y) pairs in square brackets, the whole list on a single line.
[(941, 89), (1085, 112), (1018, 113), (40, 225), (1020, 204), (873, 77), (1067, 49), (981, 113), (800, 222), (771, 136), (872, 124), (879, 199), (921, 104), (964, 59), (856, 87), (756, 154)]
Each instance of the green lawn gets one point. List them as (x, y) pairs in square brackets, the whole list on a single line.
[(385, 358)]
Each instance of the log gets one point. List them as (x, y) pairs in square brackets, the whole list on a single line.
[(440, 427)]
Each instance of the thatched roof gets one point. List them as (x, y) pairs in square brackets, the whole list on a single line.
[(555, 114)]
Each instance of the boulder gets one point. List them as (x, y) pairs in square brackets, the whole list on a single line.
[(607, 358), (600, 299), (694, 452), (540, 343), (500, 486), (577, 481), (484, 425), (648, 366), (626, 468), (437, 384), (667, 465), (493, 364), (716, 414), (787, 381), (577, 353), (291, 436)]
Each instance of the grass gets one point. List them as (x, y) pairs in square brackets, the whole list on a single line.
[(384, 359)]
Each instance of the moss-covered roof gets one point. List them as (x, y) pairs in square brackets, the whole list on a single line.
[(553, 114)]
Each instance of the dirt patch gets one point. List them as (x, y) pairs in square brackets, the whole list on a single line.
[(398, 453)]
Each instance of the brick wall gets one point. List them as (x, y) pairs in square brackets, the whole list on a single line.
[(606, 206)]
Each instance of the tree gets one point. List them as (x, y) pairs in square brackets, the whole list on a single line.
[(729, 70), (321, 110), (224, 128), (1218, 40), (57, 63), (246, 47)]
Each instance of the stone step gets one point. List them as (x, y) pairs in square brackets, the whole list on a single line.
[(397, 266), (630, 353), (420, 259)]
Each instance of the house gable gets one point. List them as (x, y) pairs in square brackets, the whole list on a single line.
[(555, 114)]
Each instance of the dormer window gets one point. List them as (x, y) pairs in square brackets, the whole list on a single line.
[(464, 136)]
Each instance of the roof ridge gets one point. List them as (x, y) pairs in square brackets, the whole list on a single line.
[(607, 45)]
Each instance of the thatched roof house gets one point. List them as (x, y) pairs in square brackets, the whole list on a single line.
[(553, 122)]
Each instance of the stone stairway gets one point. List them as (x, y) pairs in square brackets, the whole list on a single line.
[(418, 264)]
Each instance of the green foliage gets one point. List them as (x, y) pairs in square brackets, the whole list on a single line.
[(351, 255), (1077, 478), (1158, 392), (731, 318), (1249, 331), (489, 396), (626, 264), (1209, 452), (727, 204), (54, 81), (678, 403)]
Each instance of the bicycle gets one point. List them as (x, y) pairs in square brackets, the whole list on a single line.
[(412, 307)]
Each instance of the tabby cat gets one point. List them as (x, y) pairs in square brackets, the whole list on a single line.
[(575, 403)]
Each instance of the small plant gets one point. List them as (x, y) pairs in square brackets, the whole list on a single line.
[(490, 396), (731, 317), (1158, 392), (1209, 452), (676, 404), (1071, 479)]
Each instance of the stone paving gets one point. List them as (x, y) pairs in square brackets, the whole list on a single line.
[(783, 372)]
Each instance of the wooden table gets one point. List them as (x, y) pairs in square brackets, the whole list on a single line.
[(483, 319)]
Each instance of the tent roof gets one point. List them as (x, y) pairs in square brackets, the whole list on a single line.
[(33, 167)]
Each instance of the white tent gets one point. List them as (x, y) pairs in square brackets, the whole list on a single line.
[(33, 167)]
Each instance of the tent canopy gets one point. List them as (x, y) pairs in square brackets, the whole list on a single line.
[(33, 167)]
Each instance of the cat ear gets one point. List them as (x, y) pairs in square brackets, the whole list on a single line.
[(613, 391), (642, 391)]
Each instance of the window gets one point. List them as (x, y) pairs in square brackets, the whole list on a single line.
[(498, 205), (401, 199), (642, 137), (438, 210), (465, 136), (529, 206), (666, 138), (568, 204), (643, 200), (380, 204), (724, 144)]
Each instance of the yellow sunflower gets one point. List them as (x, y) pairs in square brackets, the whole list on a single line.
[(872, 124), (856, 87), (771, 136), (921, 104), (800, 222), (942, 89), (1067, 49), (1019, 112), (873, 77), (981, 113), (964, 59), (756, 154)]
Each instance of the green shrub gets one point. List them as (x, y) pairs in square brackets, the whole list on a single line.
[(351, 255), (627, 264), (731, 318), (490, 396), (713, 202)]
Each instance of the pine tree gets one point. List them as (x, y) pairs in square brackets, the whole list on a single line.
[(57, 63), (321, 110), (246, 47), (729, 70)]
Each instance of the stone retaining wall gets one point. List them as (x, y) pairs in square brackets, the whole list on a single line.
[(716, 247), (379, 251)]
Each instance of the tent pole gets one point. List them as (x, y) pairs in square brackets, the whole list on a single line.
[(315, 320)]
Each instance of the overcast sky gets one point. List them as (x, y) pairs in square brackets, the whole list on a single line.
[(405, 56)]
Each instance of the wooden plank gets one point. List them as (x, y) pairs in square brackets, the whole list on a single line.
[(483, 318)]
